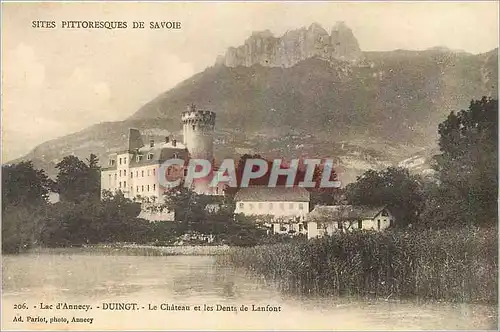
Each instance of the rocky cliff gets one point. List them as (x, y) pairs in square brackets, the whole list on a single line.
[(294, 46)]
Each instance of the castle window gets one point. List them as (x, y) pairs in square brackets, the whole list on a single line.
[(301, 206), (148, 172), (119, 184), (142, 172), (194, 127), (154, 186), (124, 172), (120, 161), (148, 187), (120, 172), (142, 188), (137, 189), (150, 156), (154, 172), (242, 205), (131, 189), (131, 175), (136, 174), (111, 162), (291, 206), (125, 161), (124, 184)]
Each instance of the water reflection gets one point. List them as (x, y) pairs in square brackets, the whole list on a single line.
[(195, 280)]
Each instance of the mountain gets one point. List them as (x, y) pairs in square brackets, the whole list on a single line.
[(379, 110), (265, 49)]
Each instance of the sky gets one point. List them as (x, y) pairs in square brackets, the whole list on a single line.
[(59, 81)]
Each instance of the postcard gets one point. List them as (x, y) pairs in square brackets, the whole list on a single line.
[(249, 165)]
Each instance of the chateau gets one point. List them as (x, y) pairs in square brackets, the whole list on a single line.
[(136, 170)]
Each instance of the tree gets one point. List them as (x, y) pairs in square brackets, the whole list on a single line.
[(21, 226), (76, 179), (22, 184), (467, 166), (94, 176), (394, 187), (187, 205), (24, 199), (90, 221)]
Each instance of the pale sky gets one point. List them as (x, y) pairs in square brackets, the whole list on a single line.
[(58, 81)]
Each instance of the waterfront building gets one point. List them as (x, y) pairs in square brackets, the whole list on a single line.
[(281, 208), (324, 220)]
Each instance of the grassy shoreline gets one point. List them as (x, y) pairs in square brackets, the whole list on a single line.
[(123, 249), (454, 265)]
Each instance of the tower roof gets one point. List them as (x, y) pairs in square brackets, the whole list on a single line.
[(195, 114)]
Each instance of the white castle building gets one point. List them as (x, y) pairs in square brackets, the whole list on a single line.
[(135, 171)]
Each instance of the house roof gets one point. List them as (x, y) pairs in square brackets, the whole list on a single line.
[(345, 212), (276, 194)]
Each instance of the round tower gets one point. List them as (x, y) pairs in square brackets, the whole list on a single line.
[(198, 130)]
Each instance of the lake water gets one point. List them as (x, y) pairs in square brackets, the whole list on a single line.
[(77, 279)]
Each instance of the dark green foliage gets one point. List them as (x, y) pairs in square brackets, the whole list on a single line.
[(394, 187), (467, 167), (22, 184), (24, 199), (451, 265), (68, 223), (21, 227), (188, 206), (76, 179), (244, 231)]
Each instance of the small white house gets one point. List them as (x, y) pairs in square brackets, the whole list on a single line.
[(284, 209), (324, 220)]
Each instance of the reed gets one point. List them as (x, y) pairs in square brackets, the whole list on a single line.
[(456, 265)]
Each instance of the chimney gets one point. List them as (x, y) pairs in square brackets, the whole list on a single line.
[(167, 139), (174, 142), (151, 143)]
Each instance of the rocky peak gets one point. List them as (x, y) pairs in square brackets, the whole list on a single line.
[(317, 29), (294, 46), (262, 34)]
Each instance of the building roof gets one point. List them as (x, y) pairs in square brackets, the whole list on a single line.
[(158, 154), (344, 212), (276, 194)]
